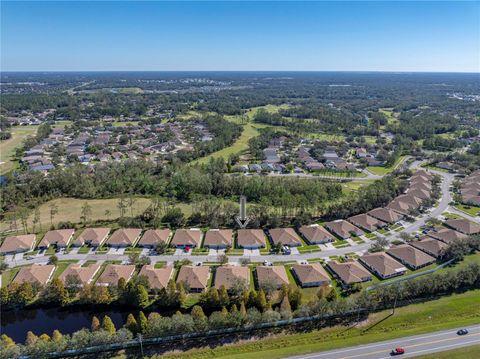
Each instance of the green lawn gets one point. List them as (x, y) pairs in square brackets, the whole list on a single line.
[(61, 266), (471, 352), (448, 312), (8, 275), (7, 147), (378, 170), (470, 210)]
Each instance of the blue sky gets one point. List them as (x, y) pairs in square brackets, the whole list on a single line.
[(328, 36)]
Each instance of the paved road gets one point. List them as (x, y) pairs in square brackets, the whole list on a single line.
[(325, 253), (414, 346)]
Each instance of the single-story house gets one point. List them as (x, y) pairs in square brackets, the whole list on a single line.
[(195, 278), (382, 265), (463, 226), (316, 234), (157, 277), (57, 237), (113, 272), (251, 238), (187, 237), (85, 274), (343, 229), (17, 244), (349, 272), (285, 237), (385, 215), (446, 235), (271, 274), (152, 237), (227, 276), (36, 273), (366, 222), (124, 237), (92, 236), (430, 246), (411, 256), (218, 238), (310, 275)]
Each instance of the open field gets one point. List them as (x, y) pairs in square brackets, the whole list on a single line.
[(470, 210), (471, 352), (390, 115), (447, 312), (69, 209), (7, 147), (250, 130), (385, 170)]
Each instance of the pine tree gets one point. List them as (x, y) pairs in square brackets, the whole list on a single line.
[(285, 304), (7, 342), (243, 310), (142, 322), (108, 325), (95, 324), (198, 314), (252, 298), (31, 339), (223, 298), (57, 336), (131, 324), (141, 296), (44, 337), (261, 300)]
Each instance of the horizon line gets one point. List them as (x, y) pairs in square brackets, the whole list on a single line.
[(271, 71)]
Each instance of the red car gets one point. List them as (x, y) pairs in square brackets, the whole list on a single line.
[(397, 351), (186, 249)]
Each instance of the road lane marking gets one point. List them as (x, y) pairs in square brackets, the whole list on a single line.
[(438, 351), (392, 341), (412, 346)]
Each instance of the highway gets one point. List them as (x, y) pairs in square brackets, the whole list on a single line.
[(414, 346)]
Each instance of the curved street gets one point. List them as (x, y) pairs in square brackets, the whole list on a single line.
[(254, 256)]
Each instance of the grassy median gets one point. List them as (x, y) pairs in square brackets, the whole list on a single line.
[(448, 312)]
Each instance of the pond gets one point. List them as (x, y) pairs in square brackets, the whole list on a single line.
[(16, 323)]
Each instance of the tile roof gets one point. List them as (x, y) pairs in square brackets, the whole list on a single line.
[(184, 237), (218, 237), (383, 264), (310, 273), (314, 233), (61, 237), (410, 256), (350, 272), (195, 277), (124, 236), (96, 236), (35, 273), (227, 275), (113, 272), (153, 236), (251, 237), (275, 274), (284, 236), (85, 274), (157, 277), (20, 243)]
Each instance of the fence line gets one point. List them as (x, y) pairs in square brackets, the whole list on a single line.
[(210, 333)]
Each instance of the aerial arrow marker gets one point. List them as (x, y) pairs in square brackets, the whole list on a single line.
[(242, 219)]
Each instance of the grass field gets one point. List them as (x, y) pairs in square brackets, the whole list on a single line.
[(470, 210), (377, 170), (390, 115), (448, 312), (7, 147), (69, 209), (250, 130), (471, 352)]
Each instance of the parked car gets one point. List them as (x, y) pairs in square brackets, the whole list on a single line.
[(286, 250), (397, 351), (186, 249), (462, 332)]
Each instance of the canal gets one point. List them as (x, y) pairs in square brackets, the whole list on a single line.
[(16, 323)]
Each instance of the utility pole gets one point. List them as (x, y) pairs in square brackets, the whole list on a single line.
[(141, 345)]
